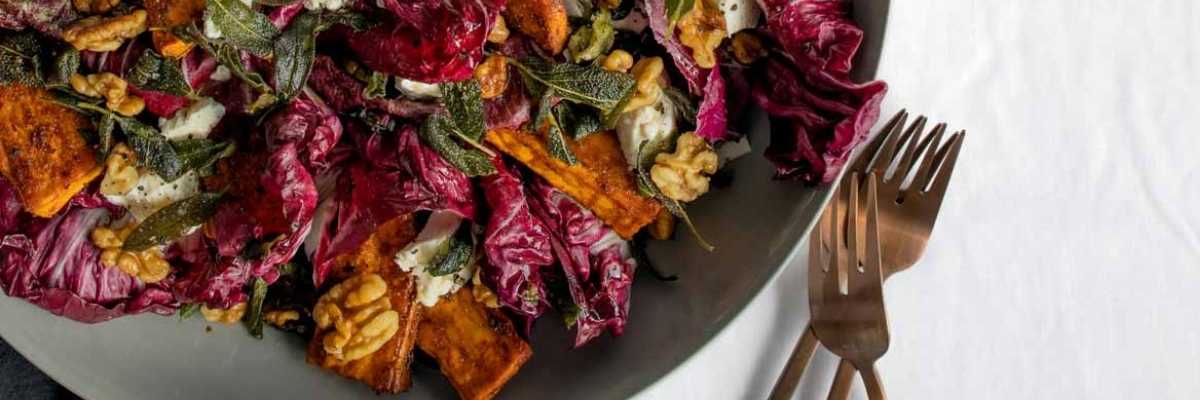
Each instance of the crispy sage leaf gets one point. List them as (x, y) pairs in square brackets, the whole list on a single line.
[(453, 258), (201, 154), (294, 54), (464, 101), (154, 73), (577, 121), (154, 151), (104, 135), (241, 26), (188, 310), (583, 84), (673, 206), (438, 132), (20, 58), (684, 107), (173, 221), (357, 22), (66, 63), (254, 310), (589, 42), (556, 143)]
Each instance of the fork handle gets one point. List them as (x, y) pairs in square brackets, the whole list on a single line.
[(789, 379), (840, 389)]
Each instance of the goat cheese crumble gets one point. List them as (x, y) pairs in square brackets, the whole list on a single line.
[(193, 122), (418, 90), (152, 193), (652, 123), (417, 257)]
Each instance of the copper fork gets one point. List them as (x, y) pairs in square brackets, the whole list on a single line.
[(900, 248), (845, 289)]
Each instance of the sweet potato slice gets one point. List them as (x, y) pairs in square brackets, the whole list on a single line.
[(476, 347), (544, 21), (42, 152), (387, 370), (601, 180), (166, 14)]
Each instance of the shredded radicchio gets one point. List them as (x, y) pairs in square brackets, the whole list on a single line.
[(516, 243)]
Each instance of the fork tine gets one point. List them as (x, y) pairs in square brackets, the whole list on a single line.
[(910, 139), (887, 156), (926, 152), (833, 274), (852, 225), (937, 190), (872, 153), (873, 265)]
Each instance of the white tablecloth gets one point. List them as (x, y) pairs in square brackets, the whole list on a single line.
[(1066, 263)]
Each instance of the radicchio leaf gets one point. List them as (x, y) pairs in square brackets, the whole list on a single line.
[(656, 12), (430, 41), (711, 123), (597, 264), (47, 16), (516, 243), (52, 263), (311, 125)]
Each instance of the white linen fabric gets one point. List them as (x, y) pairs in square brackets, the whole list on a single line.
[(1066, 263)]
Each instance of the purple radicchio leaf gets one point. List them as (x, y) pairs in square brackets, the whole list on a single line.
[(656, 12), (711, 123), (46, 16), (516, 243)]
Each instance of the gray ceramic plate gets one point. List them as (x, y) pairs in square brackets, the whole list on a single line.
[(756, 224)]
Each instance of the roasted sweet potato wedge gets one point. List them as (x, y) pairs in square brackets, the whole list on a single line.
[(476, 347), (387, 370), (601, 180), (166, 14), (42, 151), (544, 21)]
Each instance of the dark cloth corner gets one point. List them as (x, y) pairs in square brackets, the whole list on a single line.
[(20, 380)]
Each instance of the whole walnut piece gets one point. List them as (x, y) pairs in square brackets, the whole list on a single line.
[(492, 75), (227, 316), (357, 318), (702, 29), (112, 88), (101, 34), (683, 175)]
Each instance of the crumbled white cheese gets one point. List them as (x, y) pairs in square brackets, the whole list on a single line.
[(221, 74), (193, 122), (652, 123), (418, 90), (635, 22), (152, 193), (211, 30), (739, 15), (331, 5), (733, 150), (417, 257), (577, 8)]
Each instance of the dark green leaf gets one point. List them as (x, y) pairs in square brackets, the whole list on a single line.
[(676, 9), (201, 154), (464, 101), (66, 63), (583, 84), (241, 26), (188, 310), (357, 22), (589, 42), (294, 54), (376, 86), (154, 151), (20, 58), (453, 258), (231, 59), (104, 135), (556, 143), (646, 184), (577, 121), (683, 104), (173, 221), (254, 310), (154, 73), (438, 132)]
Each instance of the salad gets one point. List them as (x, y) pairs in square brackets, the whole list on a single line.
[(390, 176)]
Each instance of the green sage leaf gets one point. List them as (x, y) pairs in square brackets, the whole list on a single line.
[(453, 258), (577, 121), (231, 59), (357, 22), (20, 58), (188, 310), (589, 42), (438, 132), (556, 143), (464, 101), (201, 154), (376, 87), (583, 84), (294, 54), (676, 9), (254, 309), (684, 107), (66, 64), (155, 73), (173, 221), (241, 26), (104, 135), (154, 151)]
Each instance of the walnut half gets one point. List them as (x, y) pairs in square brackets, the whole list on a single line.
[(358, 317), (683, 175), (100, 34)]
